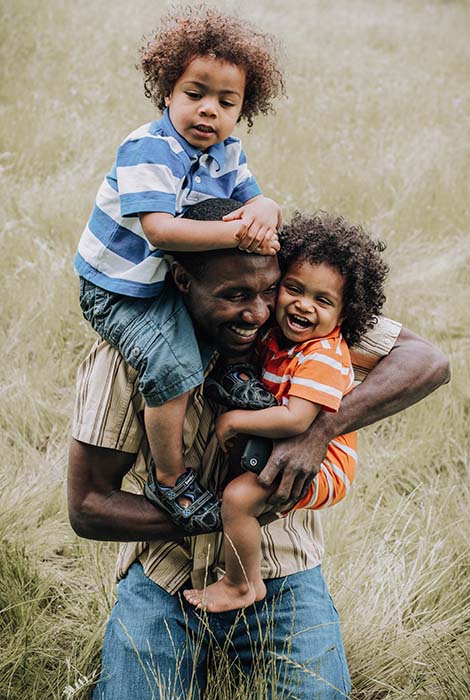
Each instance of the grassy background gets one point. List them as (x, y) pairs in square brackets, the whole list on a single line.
[(376, 128)]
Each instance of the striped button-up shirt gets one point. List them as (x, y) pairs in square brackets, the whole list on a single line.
[(108, 412)]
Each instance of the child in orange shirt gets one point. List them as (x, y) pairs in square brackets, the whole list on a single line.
[(330, 293)]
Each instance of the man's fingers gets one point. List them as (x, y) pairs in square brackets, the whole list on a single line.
[(270, 472), (293, 486), (282, 494), (301, 485)]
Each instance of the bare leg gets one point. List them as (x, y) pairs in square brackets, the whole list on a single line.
[(242, 501), (164, 426)]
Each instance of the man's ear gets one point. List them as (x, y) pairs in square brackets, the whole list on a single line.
[(181, 278)]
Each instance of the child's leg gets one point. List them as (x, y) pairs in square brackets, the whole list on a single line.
[(156, 337), (164, 427), (243, 500)]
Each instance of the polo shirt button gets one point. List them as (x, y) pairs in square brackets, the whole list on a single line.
[(135, 352), (197, 178)]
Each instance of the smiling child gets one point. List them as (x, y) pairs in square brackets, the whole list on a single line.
[(330, 293)]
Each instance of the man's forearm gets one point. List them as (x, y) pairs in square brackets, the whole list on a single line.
[(99, 510), (413, 369)]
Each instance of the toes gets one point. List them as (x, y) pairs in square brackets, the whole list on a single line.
[(193, 596)]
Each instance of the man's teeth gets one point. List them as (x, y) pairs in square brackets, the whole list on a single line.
[(244, 332)]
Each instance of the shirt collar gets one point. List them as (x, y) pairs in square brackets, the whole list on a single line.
[(272, 341), (217, 151)]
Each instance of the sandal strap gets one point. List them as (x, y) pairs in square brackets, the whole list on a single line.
[(202, 516), (239, 387)]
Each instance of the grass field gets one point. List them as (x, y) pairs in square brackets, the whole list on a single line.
[(375, 127)]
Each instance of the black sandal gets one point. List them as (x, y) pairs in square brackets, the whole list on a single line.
[(239, 387), (202, 516)]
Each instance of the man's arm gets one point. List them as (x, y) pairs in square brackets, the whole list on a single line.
[(413, 369), (99, 510)]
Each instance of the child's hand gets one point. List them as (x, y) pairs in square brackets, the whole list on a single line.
[(261, 217), (225, 431)]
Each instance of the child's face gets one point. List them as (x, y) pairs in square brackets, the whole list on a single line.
[(310, 301), (206, 101)]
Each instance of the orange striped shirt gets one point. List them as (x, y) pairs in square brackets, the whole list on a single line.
[(319, 371)]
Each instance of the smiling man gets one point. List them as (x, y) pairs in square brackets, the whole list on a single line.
[(155, 645)]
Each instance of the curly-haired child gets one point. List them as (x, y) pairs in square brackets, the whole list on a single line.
[(207, 71), (330, 293)]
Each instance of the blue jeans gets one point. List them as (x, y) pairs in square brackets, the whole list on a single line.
[(157, 647), (155, 336)]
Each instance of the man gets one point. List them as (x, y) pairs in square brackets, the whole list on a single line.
[(155, 644)]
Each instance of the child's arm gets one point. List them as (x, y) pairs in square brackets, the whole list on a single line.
[(167, 232), (275, 422), (262, 218)]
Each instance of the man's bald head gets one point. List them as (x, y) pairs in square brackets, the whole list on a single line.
[(207, 210)]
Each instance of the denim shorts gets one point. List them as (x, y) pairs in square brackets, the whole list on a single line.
[(155, 336)]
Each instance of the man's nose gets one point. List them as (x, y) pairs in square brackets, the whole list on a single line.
[(257, 312)]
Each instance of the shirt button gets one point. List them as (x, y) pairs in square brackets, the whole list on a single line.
[(197, 179), (135, 352)]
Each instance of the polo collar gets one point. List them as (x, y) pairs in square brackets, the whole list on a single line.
[(217, 151)]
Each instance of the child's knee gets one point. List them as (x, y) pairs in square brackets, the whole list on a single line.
[(240, 495)]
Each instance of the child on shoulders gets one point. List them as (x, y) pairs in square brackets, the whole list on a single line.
[(207, 71)]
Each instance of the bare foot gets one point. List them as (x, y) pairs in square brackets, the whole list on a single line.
[(223, 595)]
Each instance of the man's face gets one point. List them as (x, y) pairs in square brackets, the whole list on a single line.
[(234, 299)]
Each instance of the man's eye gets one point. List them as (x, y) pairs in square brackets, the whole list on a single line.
[(271, 290)]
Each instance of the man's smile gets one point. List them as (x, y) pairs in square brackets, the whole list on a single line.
[(248, 334)]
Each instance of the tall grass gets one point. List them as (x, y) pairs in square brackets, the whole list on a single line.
[(376, 127)]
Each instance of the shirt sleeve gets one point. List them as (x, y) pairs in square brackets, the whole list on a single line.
[(246, 186), (322, 376), (376, 344), (107, 402), (149, 175)]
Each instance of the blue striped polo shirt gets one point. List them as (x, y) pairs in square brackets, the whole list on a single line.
[(156, 170)]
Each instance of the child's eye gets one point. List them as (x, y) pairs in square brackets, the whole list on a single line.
[(324, 301), (293, 290), (193, 95), (226, 103)]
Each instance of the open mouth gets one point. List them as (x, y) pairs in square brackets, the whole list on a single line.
[(203, 129), (298, 322)]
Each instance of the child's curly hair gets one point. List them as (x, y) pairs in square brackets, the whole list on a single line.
[(199, 30), (322, 238)]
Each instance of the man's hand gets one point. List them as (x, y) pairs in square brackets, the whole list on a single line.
[(296, 461), (261, 217)]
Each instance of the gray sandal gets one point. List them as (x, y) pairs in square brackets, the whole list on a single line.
[(202, 516), (238, 386)]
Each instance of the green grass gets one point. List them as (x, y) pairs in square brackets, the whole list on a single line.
[(375, 127)]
